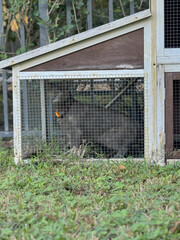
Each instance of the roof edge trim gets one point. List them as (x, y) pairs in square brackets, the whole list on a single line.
[(8, 63)]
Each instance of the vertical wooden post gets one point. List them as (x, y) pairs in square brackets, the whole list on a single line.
[(17, 116), (5, 96), (43, 10), (89, 17)]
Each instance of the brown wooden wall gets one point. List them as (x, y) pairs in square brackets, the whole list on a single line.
[(172, 113), (123, 52)]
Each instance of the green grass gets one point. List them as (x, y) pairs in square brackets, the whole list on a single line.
[(74, 200)]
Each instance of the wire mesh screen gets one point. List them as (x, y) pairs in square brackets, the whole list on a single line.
[(176, 113), (31, 117), (172, 23), (90, 118)]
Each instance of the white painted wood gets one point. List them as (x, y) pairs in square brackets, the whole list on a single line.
[(172, 68), (160, 85), (17, 116), (76, 38), (160, 26), (82, 74), (164, 55), (43, 110), (160, 129), (172, 52), (148, 93), (157, 140), (170, 60)]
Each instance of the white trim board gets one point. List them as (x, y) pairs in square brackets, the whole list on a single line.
[(81, 74), (172, 68), (168, 60)]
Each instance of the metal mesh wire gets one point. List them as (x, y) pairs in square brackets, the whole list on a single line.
[(91, 118), (176, 113), (172, 23), (31, 117)]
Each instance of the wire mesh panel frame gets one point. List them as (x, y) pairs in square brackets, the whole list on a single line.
[(43, 76), (171, 24), (164, 55)]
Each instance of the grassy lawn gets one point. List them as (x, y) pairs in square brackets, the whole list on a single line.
[(88, 201)]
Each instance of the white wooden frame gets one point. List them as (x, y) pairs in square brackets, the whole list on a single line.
[(80, 42), (61, 75), (157, 61), (169, 55), (82, 74), (167, 60)]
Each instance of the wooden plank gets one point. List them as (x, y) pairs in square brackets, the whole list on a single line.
[(160, 116), (169, 52), (170, 113), (172, 68), (81, 45), (77, 38), (148, 93), (124, 52), (17, 124), (159, 15), (171, 59), (133, 73)]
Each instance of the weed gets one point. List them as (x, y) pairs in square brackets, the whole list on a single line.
[(81, 200)]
